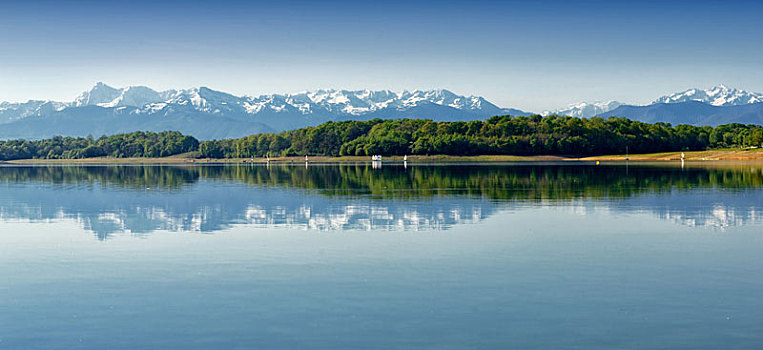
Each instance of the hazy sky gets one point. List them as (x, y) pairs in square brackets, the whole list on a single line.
[(522, 54)]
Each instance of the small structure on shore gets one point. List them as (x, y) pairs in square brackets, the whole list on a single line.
[(376, 161)]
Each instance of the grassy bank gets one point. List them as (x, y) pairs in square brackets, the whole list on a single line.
[(300, 160), (713, 155)]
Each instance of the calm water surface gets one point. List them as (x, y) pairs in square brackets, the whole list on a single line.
[(345, 257)]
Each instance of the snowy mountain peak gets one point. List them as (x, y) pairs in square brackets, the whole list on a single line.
[(720, 95), (358, 102), (106, 96), (586, 109), (100, 93), (32, 108)]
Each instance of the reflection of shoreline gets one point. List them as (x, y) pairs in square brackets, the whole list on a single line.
[(210, 206), (139, 200), (499, 182)]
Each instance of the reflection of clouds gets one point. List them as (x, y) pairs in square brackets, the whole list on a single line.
[(209, 206), (719, 216), (335, 218), (138, 220), (364, 217), (708, 208), (686, 208)]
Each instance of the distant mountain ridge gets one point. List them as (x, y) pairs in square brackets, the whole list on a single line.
[(691, 112), (206, 113), (720, 95), (210, 114), (714, 106), (586, 109)]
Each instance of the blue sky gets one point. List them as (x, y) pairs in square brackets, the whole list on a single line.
[(529, 55)]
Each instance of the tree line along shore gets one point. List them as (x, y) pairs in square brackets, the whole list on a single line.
[(496, 136)]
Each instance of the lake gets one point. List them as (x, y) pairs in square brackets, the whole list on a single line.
[(496, 256)]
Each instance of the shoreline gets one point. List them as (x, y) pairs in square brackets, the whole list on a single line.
[(746, 155)]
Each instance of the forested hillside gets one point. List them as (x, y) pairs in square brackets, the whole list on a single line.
[(136, 144), (531, 135)]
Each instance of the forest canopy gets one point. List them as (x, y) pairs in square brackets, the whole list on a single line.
[(527, 135), (531, 135), (132, 145)]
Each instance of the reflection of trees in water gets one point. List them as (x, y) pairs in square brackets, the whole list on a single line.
[(127, 176), (491, 181), (140, 199)]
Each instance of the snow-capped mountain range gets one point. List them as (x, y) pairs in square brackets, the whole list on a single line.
[(357, 102), (715, 106), (720, 95), (206, 113), (586, 109)]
